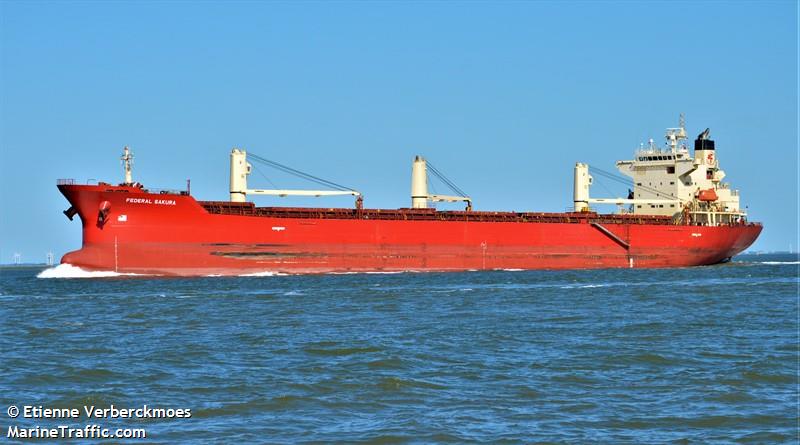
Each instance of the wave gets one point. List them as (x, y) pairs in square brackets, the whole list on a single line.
[(777, 262), (70, 271), (592, 286)]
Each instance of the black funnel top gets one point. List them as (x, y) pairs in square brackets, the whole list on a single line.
[(703, 142)]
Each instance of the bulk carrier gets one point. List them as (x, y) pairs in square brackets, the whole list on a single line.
[(678, 213)]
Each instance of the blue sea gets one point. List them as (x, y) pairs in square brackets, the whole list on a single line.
[(693, 355)]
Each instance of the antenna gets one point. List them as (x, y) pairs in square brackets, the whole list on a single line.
[(682, 132), (675, 135)]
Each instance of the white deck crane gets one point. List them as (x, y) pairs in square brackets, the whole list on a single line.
[(240, 170), (419, 187)]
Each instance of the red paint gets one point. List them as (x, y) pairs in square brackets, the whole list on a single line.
[(173, 234)]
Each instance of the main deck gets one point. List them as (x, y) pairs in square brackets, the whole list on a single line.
[(249, 209)]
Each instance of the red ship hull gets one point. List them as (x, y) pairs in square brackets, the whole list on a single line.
[(129, 230)]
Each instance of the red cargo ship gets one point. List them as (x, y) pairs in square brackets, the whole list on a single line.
[(690, 218)]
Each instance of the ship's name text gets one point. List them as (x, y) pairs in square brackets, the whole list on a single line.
[(163, 202)]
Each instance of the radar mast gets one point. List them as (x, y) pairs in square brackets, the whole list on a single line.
[(675, 135), (127, 165)]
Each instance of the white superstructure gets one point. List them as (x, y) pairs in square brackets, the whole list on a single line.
[(672, 181)]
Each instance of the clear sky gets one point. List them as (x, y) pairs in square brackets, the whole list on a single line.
[(504, 97)]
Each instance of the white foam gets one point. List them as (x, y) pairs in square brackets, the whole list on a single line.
[(265, 273), (70, 271), (778, 262), (365, 272)]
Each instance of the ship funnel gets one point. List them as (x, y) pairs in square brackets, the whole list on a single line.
[(239, 171), (419, 183), (581, 192), (703, 142), (704, 149)]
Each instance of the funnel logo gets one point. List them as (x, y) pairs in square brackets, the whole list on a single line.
[(710, 158)]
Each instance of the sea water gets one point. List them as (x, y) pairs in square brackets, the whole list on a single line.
[(691, 355)]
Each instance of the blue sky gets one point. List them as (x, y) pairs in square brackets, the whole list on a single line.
[(503, 97)]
